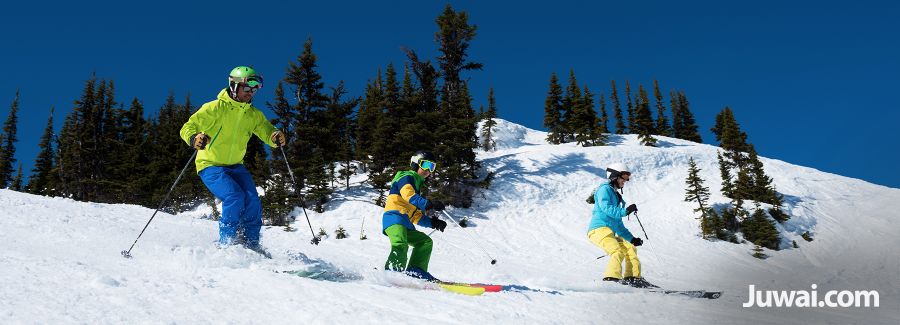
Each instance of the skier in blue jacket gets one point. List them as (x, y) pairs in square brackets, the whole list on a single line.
[(607, 231)]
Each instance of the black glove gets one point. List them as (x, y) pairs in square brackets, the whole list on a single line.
[(438, 224), (631, 209), (637, 241), (434, 205)]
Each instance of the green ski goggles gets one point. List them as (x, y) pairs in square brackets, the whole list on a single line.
[(427, 165)]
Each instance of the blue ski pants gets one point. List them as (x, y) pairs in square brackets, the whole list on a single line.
[(241, 208)]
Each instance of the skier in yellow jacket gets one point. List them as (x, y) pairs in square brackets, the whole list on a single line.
[(220, 130)]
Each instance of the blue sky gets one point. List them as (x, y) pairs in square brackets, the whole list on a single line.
[(810, 82)]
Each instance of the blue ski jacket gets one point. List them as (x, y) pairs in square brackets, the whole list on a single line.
[(609, 209)]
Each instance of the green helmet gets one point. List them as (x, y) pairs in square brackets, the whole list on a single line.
[(244, 75)]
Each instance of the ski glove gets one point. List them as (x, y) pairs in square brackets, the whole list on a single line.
[(435, 205), (637, 241), (199, 141), (438, 224), (279, 139), (631, 209)]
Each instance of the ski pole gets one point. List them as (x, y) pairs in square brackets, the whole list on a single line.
[(642, 225), (315, 240), (493, 260), (127, 253)]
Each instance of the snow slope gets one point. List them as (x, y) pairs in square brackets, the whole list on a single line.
[(60, 261)]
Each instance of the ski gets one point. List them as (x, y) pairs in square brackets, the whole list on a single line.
[(463, 289), (326, 274), (487, 287), (690, 293)]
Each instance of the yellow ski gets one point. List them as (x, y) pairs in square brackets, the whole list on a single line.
[(462, 289)]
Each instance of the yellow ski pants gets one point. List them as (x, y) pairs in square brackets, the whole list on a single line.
[(617, 250)]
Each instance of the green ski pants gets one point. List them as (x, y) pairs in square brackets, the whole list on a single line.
[(401, 238)]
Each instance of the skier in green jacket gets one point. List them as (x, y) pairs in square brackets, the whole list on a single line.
[(220, 130)]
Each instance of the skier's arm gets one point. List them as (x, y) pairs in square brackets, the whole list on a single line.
[(264, 129), (619, 228), (202, 121), (408, 193)]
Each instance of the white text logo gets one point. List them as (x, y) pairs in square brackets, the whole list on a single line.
[(803, 298)]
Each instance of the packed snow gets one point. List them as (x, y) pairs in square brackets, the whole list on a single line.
[(61, 261)]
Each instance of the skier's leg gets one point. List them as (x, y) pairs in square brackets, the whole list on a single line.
[(397, 259), (421, 253), (251, 218), (632, 264), (607, 240), (229, 192)]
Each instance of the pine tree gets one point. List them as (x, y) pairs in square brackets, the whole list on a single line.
[(340, 233), (341, 125), (696, 192), (109, 166), (487, 141), (643, 120), (284, 113), (777, 201), (603, 127), (629, 105), (571, 109), (41, 180), (367, 122), (743, 186), (552, 106), (730, 137), (677, 123), (662, 123), (725, 172), (457, 150), (280, 200), (307, 84), (585, 121), (713, 226), (166, 155), (136, 166), (318, 182), (683, 124), (617, 109), (18, 181), (73, 142), (758, 253), (386, 145), (758, 229), (8, 144)]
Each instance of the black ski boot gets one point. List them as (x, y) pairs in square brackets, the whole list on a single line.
[(638, 282)]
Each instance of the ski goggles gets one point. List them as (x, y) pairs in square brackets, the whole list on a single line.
[(251, 89), (427, 165), (249, 82)]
